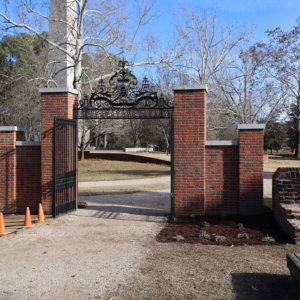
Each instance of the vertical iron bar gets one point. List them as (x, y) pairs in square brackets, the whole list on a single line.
[(75, 143), (54, 173), (65, 146)]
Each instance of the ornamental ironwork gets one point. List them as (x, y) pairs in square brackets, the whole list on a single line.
[(123, 98)]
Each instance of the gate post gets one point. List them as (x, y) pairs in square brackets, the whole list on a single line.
[(189, 149), (55, 102), (8, 167), (251, 168)]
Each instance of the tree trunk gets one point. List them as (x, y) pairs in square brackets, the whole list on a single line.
[(81, 147), (105, 141)]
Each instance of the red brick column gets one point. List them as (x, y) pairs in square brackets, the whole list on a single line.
[(251, 168), (55, 102), (189, 149), (28, 176), (8, 168)]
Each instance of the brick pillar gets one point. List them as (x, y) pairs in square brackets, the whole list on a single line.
[(55, 102), (251, 168), (189, 149), (8, 167)]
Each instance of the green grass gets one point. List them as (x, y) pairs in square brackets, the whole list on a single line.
[(99, 170)]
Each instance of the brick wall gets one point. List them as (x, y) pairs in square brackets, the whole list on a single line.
[(28, 177), (189, 149), (251, 173), (222, 179), (286, 200), (212, 179), (8, 169), (20, 174), (54, 103)]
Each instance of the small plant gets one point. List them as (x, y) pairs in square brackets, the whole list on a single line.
[(203, 235), (167, 218), (193, 217), (204, 224), (178, 238), (243, 235), (219, 238), (240, 226), (268, 238)]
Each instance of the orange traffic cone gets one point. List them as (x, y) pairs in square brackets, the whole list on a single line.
[(2, 225), (27, 222), (41, 213)]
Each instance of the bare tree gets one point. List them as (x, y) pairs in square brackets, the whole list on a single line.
[(135, 129), (283, 65), (88, 26), (207, 48), (90, 132), (93, 26), (165, 78), (243, 94)]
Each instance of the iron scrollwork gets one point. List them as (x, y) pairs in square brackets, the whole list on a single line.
[(123, 98)]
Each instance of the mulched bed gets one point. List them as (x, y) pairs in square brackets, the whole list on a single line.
[(82, 204), (255, 226)]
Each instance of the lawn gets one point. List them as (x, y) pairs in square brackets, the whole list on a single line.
[(272, 164), (98, 170), (92, 191)]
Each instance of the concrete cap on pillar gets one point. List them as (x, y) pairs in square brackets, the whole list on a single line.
[(251, 126), (194, 87), (12, 128), (58, 90)]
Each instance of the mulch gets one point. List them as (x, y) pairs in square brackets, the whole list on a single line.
[(82, 204), (255, 226)]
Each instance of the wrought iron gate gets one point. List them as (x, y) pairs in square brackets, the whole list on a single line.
[(121, 97), (65, 160)]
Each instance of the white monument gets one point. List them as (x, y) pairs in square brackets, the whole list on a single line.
[(62, 31)]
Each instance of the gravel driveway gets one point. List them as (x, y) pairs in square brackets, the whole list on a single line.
[(87, 254), (109, 251)]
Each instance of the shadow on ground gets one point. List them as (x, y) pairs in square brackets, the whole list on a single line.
[(264, 286), (144, 206)]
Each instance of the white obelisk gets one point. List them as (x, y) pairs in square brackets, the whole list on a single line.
[(62, 31)]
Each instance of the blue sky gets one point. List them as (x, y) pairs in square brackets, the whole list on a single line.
[(264, 14)]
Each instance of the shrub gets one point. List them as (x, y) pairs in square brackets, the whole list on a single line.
[(268, 238), (219, 238), (240, 226), (193, 217), (178, 238), (204, 224), (203, 235), (243, 235)]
